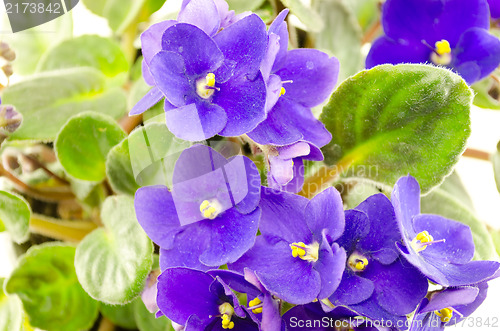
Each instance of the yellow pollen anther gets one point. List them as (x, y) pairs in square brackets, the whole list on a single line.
[(424, 237), (445, 314), (205, 87), (357, 262), (282, 91), (443, 47), (210, 79), (305, 252), (209, 209), (227, 311), (253, 303)]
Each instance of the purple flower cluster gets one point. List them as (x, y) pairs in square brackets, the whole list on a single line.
[(451, 33)]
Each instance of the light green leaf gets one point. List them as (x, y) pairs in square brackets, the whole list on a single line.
[(84, 142), (451, 200), (119, 169), (48, 100), (341, 36), (15, 215), (46, 283), (146, 321), (487, 93), (366, 11), (310, 18), (495, 159), (240, 6), (101, 53), (11, 311), (112, 263), (392, 121), (121, 315)]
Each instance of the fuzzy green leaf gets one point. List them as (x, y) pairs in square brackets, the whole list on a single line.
[(11, 311), (15, 215)]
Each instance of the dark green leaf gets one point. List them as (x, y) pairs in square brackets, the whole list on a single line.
[(112, 263), (101, 53), (451, 200), (15, 215), (46, 282), (341, 36), (11, 311), (84, 142), (48, 100), (391, 121), (121, 315), (119, 169)]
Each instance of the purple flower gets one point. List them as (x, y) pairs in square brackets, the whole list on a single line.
[(296, 258), (200, 301), (440, 248), (452, 33), (448, 307), (286, 164), (296, 80), (494, 8), (376, 282), (211, 85), (210, 217)]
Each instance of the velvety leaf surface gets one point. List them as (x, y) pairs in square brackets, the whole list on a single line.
[(112, 263), (309, 17), (84, 142), (119, 169), (404, 119), (147, 321), (15, 214), (49, 99), (11, 311), (121, 315), (46, 282)]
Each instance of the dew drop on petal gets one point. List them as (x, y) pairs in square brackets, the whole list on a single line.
[(310, 65)]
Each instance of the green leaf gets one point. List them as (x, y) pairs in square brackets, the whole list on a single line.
[(119, 169), (146, 321), (121, 315), (341, 36), (154, 151), (84, 142), (11, 311), (451, 200), (15, 215), (310, 18), (366, 11), (112, 263), (46, 283), (487, 94), (391, 121), (495, 235), (101, 53), (495, 159), (240, 6), (48, 100)]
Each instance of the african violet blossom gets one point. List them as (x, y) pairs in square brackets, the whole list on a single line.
[(210, 217), (440, 248), (211, 85), (286, 164), (296, 258), (297, 80), (377, 283), (453, 33), (200, 301), (494, 8)]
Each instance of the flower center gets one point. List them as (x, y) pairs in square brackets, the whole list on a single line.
[(227, 311), (357, 262), (256, 305), (210, 209), (422, 240), (445, 314), (205, 87), (442, 53), (305, 252)]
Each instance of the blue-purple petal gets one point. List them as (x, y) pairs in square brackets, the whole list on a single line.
[(330, 266), (385, 50), (149, 100), (325, 213), (353, 289), (202, 13)]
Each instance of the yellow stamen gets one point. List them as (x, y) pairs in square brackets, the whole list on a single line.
[(253, 303), (205, 86), (305, 252), (422, 240), (282, 91), (445, 314), (443, 47), (357, 262), (210, 209), (424, 237), (227, 311)]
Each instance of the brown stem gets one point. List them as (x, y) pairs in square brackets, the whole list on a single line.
[(106, 325), (128, 123), (72, 231), (477, 154), (43, 195), (371, 33), (47, 170), (495, 78)]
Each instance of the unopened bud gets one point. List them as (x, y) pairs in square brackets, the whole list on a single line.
[(6, 52), (7, 69)]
